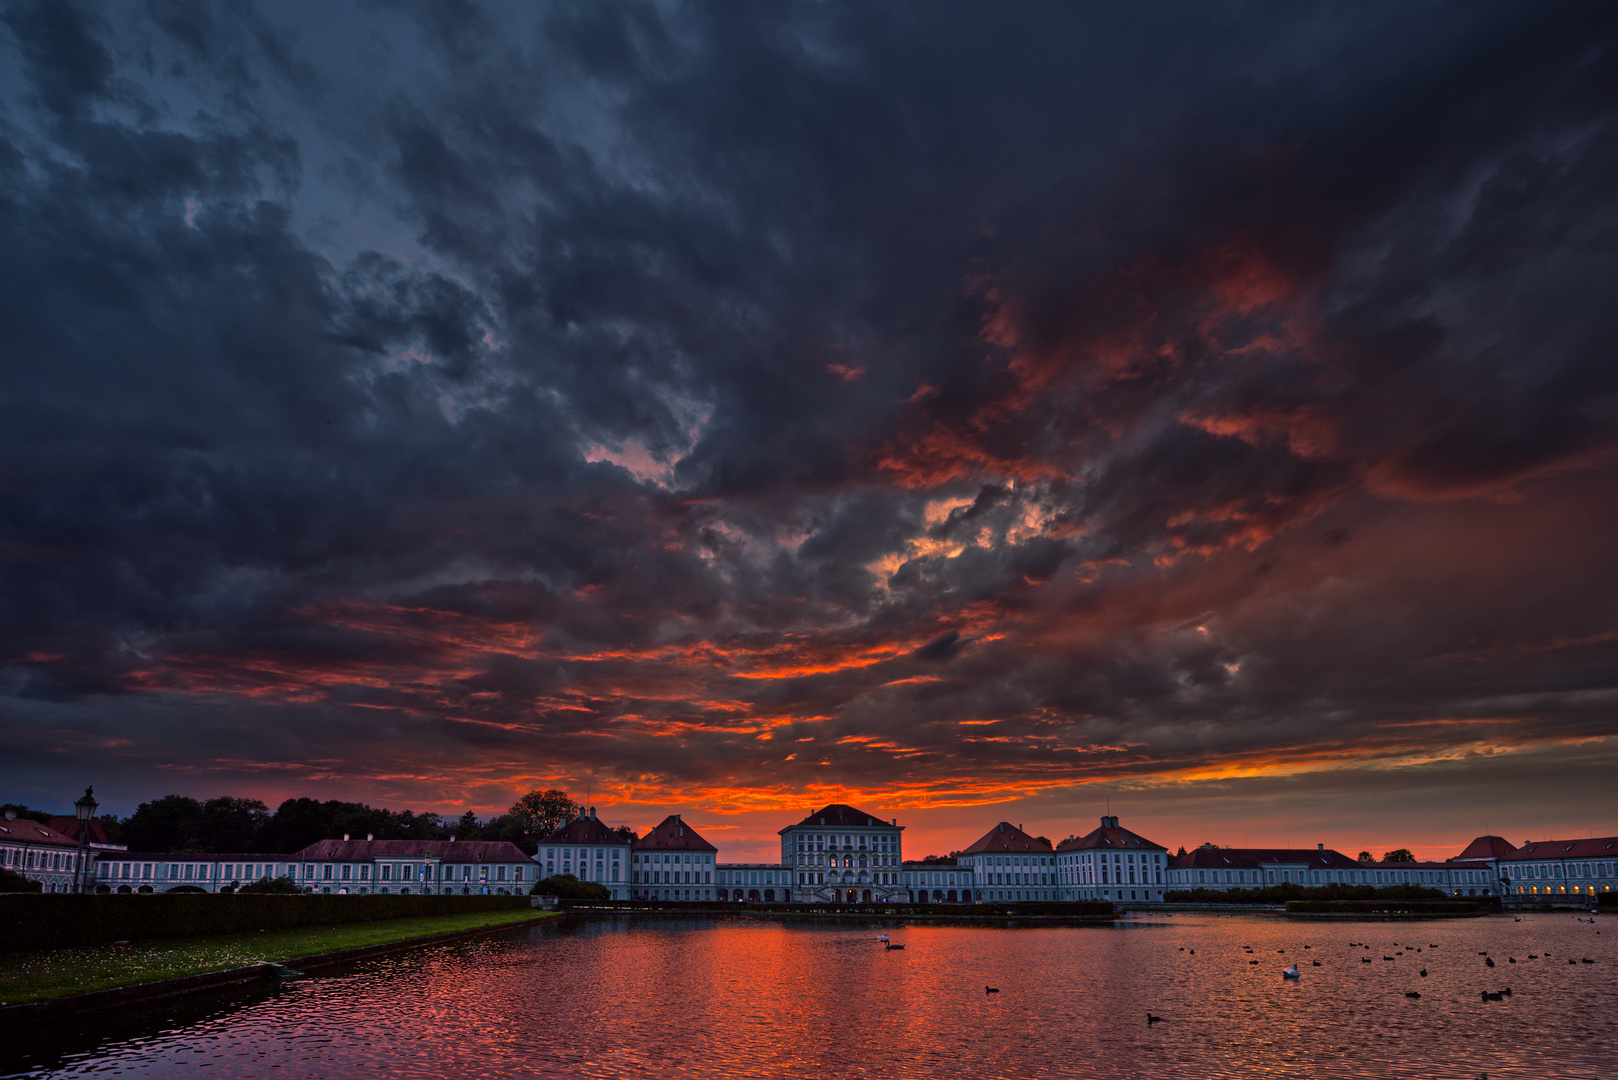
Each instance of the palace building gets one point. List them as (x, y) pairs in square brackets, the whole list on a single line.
[(1111, 863), (586, 848), (1007, 864), (672, 862), (423, 867), (39, 853), (841, 855)]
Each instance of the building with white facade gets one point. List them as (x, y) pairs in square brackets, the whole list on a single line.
[(842, 855), (403, 867), (1008, 864), (760, 882), (1111, 863), (1210, 867), (672, 862), (1560, 872), (590, 851), (39, 853), (941, 881)]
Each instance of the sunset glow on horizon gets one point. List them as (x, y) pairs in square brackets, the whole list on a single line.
[(969, 414)]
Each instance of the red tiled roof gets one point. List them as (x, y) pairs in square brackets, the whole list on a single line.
[(68, 825), (1430, 864), (29, 831), (584, 830), (1110, 837), (450, 851), (1487, 847), (840, 816), (673, 835), (1252, 858), (1599, 847), (1005, 837)]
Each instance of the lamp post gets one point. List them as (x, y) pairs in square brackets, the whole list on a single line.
[(86, 808)]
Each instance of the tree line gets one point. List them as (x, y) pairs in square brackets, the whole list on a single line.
[(230, 825)]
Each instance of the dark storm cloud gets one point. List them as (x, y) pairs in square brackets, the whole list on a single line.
[(741, 402)]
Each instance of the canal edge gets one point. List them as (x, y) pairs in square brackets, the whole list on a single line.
[(143, 993)]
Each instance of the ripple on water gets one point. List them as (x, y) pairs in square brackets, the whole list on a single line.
[(730, 998)]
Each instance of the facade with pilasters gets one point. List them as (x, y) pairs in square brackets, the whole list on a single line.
[(841, 855)]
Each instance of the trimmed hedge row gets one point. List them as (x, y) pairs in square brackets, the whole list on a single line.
[(1287, 892), (60, 920), (1368, 907), (1073, 909)]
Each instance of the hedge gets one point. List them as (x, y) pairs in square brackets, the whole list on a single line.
[(1371, 907), (1287, 892), (60, 920)]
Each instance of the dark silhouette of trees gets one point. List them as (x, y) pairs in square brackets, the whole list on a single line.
[(1398, 855)]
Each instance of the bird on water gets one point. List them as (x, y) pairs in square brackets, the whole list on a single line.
[(1150, 1019)]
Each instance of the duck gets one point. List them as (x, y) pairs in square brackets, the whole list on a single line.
[(1487, 962), (1492, 996), (991, 989), (1424, 973), (1290, 972), (1150, 1019), (1315, 962), (1411, 994)]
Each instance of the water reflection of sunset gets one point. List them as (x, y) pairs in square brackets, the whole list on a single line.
[(732, 998)]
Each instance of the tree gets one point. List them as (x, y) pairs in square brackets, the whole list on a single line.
[(233, 825), (41, 816), (172, 823), (1181, 853), (1398, 855), (1365, 857), (568, 887), (14, 882), (297, 824), (540, 813), (626, 834)]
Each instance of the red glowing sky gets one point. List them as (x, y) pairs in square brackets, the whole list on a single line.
[(782, 425)]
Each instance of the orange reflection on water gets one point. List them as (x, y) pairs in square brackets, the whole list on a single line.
[(681, 998)]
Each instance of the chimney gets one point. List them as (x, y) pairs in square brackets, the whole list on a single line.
[(452, 838), (369, 837), (11, 815), (1320, 847), (345, 838)]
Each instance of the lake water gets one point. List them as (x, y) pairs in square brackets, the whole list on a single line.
[(742, 998)]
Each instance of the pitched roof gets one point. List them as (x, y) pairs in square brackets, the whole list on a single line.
[(1111, 837), (68, 825), (1005, 837), (194, 856), (1487, 847), (672, 834), (28, 831), (585, 830), (1253, 858), (1599, 847), (450, 851), (840, 816)]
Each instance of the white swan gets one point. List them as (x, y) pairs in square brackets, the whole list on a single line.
[(1290, 973)]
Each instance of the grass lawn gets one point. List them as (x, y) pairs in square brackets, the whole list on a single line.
[(36, 976)]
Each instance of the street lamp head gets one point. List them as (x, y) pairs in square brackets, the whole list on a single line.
[(87, 805)]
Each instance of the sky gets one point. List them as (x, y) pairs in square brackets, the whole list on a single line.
[(1206, 413)]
